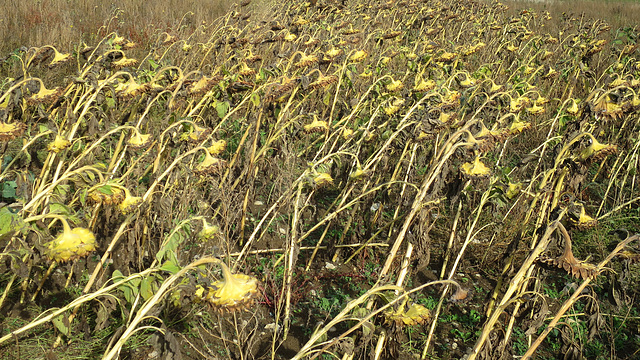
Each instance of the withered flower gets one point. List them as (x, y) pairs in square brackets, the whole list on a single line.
[(597, 151), (10, 131), (71, 244), (316, 126), (217, 147), (234, 292), (138, 141), (210, 165), (109, 193), (124, 62), (58, 144), (475, 169)]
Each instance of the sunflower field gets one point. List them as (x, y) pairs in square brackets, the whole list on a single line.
[(427, 179)]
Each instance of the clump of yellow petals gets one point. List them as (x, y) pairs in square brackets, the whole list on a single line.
[(475, 169), (71, 244), (59, 144), (233, 292), (10, 131), (597, 151), (316, 126), (217, 147), (358, 56)]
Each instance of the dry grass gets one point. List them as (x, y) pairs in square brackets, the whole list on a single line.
[(63, 23), (617, 13)]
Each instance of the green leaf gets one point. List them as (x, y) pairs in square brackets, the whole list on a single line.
[(61, 189), (171, 267), (9, 189), (10, 222), (326, 99), (106, 189), (172, 243), (255, 99), (153, 64), (61, 209), (148, 287), (222, 107), (62, 324), (111, 102), (129, 289)]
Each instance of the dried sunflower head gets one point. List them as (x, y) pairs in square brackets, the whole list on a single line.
[(130, 203), (138, 141), (217, 147), (393, 107), (58, 58), (424, 85), (323, 81), (210, 165), (332, 54), (322, 179), (208, 231), (59, 144), (10, 131), (245, 70), (109, 193), (358, 56), (316, 126), (233, 292), (518, 126), (475, 169), (306, 60), (44, 95), (597, 151), (71, 244), (573, 108), (359, 173), (395, 85), (124, 62), (535, 109), (130, 89), (446, 57), (196, 134), (581, 220), (204, 84)]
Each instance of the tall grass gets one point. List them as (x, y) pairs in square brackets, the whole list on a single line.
[(66, 22), (618, 13)]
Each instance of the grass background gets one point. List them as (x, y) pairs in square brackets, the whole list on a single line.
[(64, 23)]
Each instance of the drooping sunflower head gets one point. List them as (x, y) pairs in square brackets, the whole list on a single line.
[(475, 169), (210, 165), (59, 144), (109, 193), (71, 244), (233, 292), (10, 131), (138, 141), (597, 151), (130, 203)]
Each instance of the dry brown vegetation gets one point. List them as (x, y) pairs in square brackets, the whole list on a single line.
[(386, 180), (64, 23)]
